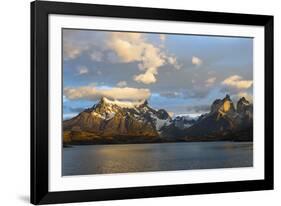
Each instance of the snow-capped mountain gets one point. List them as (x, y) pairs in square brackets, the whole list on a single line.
[(184, 121), (112, 118), (112, 121)]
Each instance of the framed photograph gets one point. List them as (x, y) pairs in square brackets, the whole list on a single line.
[(131, 102)]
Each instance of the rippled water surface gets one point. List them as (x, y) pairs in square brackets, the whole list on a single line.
[(101, 159)]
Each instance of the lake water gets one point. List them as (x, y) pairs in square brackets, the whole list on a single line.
[(102, 159)]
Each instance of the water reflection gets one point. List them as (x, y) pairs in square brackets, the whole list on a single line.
[(101, 159)]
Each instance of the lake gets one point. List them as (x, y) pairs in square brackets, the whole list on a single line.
[(102, 159)]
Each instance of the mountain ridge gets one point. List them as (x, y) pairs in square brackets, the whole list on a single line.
[(113, 121)]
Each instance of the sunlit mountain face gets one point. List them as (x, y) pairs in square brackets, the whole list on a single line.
[(112, 121)]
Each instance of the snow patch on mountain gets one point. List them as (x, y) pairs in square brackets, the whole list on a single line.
[(95, 114), (159, 123), (184, 121), (123, 104)]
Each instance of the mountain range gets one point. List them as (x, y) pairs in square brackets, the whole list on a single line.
[(112, 121)]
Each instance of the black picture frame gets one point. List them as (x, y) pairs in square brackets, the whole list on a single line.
[(39, 102)]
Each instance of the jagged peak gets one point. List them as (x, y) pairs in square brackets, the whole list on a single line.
[(103, 100), (145, 102), (243, 104), (227, 97), (243, 100), (215, 105), (223, 105)]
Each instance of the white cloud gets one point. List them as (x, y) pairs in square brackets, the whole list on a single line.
[(77, 43), (96, 56), (71, 51), (115, 93), (122, 84), (210, 81), (83, 70), (237, 82), (162, 37), (127, 46), (173, 61), (146, 78), (196, 61), (133, 47)]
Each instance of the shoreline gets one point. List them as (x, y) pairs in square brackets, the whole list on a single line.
[(76, 143)]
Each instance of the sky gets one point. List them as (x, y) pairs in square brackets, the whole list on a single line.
[(180, 73)]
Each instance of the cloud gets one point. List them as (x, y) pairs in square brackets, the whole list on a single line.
[(162, 37), (147, 78), (198, 108), (173, 61), (196, 61), (73, 109), (197, 92), (78, 43), (122, 84), (96, 56), (194, 93), (209, 82), (133, 47), (71, 51), (170, 94), (127, 46), (83, 70), (95, 93), (237, 82)]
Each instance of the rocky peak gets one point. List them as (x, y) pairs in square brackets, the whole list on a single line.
[(215, 105), (223, 105), (100, 106), (244, 106), (243, 101), (111, 120), (103, 100), (115, 118), (162, 114), (227, 97), (228, 105), (145, 103)]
